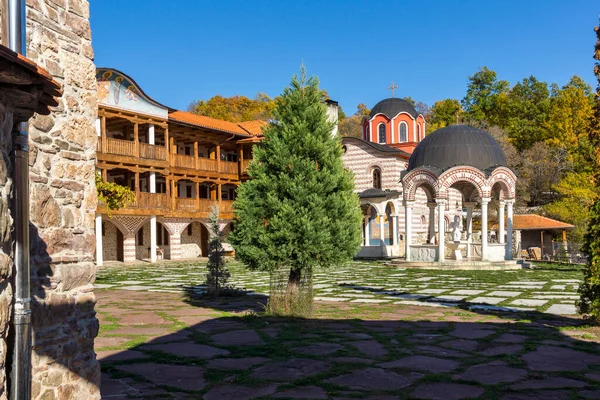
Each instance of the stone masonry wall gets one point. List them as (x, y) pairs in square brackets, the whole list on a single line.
[(5, 242), (63, 204)]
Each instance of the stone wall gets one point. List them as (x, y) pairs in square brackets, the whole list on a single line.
[(5, 242), (63, 204)]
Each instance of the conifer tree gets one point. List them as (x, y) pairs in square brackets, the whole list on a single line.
[(298, 211), (218, 274), (589, 303)]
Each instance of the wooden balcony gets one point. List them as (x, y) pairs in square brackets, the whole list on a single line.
[(119, 150), (181, 161), (228, 167), (120, 147), (153, 152), (245, 164), (151, 200)]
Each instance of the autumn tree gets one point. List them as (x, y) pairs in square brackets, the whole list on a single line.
[(352, 126), (299, 210), (483, 92), (235, 108), (443, 113), (589, 302)]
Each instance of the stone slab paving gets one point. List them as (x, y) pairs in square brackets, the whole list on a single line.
[(171, 346)]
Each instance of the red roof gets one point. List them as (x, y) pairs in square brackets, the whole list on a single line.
[(248, 128), (524, 222)]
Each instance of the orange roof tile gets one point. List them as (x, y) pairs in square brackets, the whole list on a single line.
[(207, 122), (254, 127), (525, 222)]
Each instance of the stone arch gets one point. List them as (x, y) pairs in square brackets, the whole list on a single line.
[(466, 174), (112, 240), (128, 225), (419, 178), (506, 180)]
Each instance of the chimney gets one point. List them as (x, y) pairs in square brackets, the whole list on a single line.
[(332, 115)]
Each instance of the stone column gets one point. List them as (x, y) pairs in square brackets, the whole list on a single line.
[(382, 229), (441, 229), (501, 222), (153, 238), (175, 245), (408, 206), (469, 206), (394, 222), (367, 231), (484, 227), (129, 248), (509, 228), (431, 238), (99, 258)]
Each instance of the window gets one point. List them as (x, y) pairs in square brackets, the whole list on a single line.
[(381, 133), (403, 137), (368, 134), (377, 178), (141, 237), (418, 133), (190, 230)]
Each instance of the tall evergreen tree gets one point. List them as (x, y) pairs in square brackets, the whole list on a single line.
[(589, 303), (298, 211), (218, 274)]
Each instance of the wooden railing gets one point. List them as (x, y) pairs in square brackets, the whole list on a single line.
[(185, 204), (152, 200), (245, 164), (207, 164), (229, 167), (179, 160), (153, 152), (226, 207), (120, 147)]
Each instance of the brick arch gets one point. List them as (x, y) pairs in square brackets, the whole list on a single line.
[(419, 178), (463, 174), (506, 179), (375, 207), (128, 225)]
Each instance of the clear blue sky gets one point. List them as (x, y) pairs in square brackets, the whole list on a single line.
[(184, 50)]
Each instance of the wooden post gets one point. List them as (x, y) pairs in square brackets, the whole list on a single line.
[(542, 248), (103, 134), (172, 150), (197, 195), (136, 139), (173, 194), (240, 160), (137, 183), (219, 194), (105, 175), (196, 161), (213, 192), (564, 236), (218, 155), (167, 143)]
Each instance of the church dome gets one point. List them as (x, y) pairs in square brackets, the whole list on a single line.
[(457, 145), (392, 107)]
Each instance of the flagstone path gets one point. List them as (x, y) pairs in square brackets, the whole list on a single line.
[(167, 345)]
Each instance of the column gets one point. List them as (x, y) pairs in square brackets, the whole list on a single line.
[(441, 229), (501, 222), (103, 144), (484, 228), (509, 229), (153, 238), (136, 139), (382, 229), (129, 248), (99, 258), (431, 238), (394, 222), (367, 231), (175, 245), (469, 206), (408, 205), (218, 156)]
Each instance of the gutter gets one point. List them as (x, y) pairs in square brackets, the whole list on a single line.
[(14, 32)]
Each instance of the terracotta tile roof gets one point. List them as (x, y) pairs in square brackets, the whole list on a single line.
[(51, 89), (254, 128), (524, 222), (206, 122)]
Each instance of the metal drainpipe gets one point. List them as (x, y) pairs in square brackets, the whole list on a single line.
[(20, 387)]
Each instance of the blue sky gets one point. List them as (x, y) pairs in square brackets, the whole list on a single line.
[(184, 50)]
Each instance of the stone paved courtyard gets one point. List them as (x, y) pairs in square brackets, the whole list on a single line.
[(378, 333)]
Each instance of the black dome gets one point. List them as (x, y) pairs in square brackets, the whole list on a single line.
[(392, 106), (457, 145)]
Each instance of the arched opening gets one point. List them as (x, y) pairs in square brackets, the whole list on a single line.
[(112, 242), (381, 128), (402, 132), (191, 240), (204, 240), (418, 132), (388, 224), (376, 178)]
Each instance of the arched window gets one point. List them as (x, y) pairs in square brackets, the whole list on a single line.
[(368, 134), (382, 133), (376, 178), (418, 133), (403, 136)]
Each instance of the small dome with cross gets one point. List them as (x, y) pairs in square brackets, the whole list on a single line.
[(392, 107)]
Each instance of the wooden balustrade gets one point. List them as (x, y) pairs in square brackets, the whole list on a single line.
[(229, 167), (245, 164), (153, 152), (179, 160), (152, 200), (185, 204), (226, 207), (207, 164), (120, 147)]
